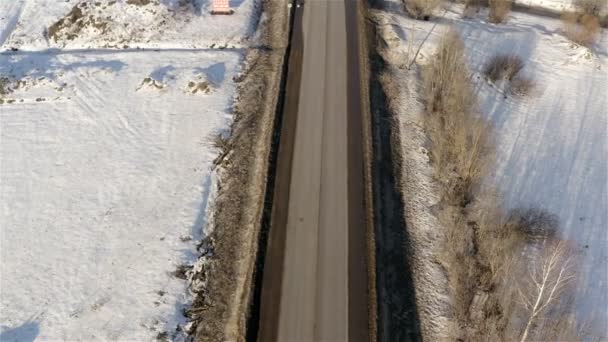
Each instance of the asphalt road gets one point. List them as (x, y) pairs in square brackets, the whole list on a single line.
[(314, 283)]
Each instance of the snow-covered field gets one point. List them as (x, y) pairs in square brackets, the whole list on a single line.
[(106, 171), (553, 143), (556, 5), (116, 23)]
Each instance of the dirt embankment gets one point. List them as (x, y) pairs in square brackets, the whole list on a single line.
[(224, 275)]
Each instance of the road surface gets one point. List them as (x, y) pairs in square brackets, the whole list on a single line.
[(314, 282)]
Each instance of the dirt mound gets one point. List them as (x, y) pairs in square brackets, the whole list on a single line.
[(70, 26), (196, 87)]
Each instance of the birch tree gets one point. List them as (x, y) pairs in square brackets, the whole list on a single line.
[(547, 279)]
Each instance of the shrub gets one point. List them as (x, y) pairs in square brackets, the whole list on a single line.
[(4, 85), (483, 251), (55, 29), (499, 10), (448, 76), (581, 28), (522, 86), (532, 223), (542, 290), (138, 2), (421, 9), (507, 67), (460, 139), (499, 66), (591, 7), (220, 141), (472, 6)]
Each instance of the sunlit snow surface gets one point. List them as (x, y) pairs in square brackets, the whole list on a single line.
[(105, 164)]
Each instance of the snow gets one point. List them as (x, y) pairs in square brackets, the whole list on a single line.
[(556, 5), (159, 24), (106, 177), (553, 143)]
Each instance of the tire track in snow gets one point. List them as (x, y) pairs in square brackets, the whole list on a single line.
[(89, 96)]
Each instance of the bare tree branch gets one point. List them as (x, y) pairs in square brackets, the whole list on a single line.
[(548, 279)]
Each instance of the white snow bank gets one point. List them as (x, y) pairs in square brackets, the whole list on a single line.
[(101, 186)]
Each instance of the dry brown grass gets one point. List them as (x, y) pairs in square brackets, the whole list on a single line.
[(221, 142), (461, 151), (507, 67), (482, 243), (72, 24), (4, 85), (503, 66), (531, 269), (460, 139), (499, 10), (592, 7), (522, 86), (471, 7), (582, 29), (239, 201), (421, 9), (70, 19), (138, 2)]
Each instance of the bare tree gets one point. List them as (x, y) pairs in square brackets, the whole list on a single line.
[(548, 277)]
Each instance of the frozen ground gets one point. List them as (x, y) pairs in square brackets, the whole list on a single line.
[(117, 23), (552, 144), (556, 5), (105, 176), (100, 184)]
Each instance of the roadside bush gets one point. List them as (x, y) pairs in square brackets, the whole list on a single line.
[(522, 86), (533, 224), (582, 29), (4, 85), (473, 6), (507, 67), (475, 3), (220, 141), (138, 2), (591, 7), (460, 139), (460, 151), (503, 66), (485, 249), (421, 9), (499, 10), (446, 79)]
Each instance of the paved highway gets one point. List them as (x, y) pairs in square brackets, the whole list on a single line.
[(314, 282)]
